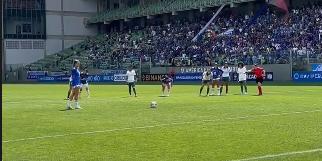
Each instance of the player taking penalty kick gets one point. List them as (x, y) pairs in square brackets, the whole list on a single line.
[(166, 83), (260, 75), (206, 80)]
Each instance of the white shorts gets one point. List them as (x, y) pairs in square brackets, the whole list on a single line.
[(85, 85)]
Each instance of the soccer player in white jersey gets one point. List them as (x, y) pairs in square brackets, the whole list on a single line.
[(131, 79), (242, 78), (206, 80), (225, 76)]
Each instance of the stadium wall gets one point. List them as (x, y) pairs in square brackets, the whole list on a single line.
[(23, 51), (65, 23), (64, 27)]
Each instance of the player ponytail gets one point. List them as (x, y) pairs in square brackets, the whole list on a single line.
[(75, 62)]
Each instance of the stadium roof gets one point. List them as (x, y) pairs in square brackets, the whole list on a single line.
[(166, 6)]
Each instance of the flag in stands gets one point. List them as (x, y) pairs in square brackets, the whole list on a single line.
[(229, 32), (279, 3)]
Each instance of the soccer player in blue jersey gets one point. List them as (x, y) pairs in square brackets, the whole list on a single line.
[(166, 83), (76, 85), (217, 76), (84, 77)]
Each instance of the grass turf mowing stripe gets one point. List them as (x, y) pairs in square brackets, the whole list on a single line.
[(270, 156), (159, 125)]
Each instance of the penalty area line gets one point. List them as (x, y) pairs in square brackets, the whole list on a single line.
[(270, 156), (161, 125)]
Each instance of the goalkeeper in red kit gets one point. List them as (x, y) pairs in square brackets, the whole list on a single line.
[(260, 76)]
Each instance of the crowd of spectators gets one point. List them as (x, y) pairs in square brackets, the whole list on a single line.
[(268, 39)]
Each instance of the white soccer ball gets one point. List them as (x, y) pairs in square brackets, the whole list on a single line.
[(153, 104)]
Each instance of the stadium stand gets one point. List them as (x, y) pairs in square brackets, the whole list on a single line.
[(267, 40)]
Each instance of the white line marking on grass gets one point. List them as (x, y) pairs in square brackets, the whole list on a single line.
[(159, 125), (281, 155)]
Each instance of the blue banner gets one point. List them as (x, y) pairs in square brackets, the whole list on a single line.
[(316, 67), (53, 79), (91, 78), (36, 74), (101, 78), (188, 77), (307, 76), (120, 77), (269, 76)]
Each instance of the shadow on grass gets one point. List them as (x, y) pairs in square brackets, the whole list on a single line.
[(71, 109), (129, 97), (163, 96), (66, 110), (237, 94), (256, 95)]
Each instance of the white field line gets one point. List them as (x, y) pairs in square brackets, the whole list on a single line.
[(270, 156), (159, 125)]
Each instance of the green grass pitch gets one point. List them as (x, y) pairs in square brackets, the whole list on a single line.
[(283, 125)]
